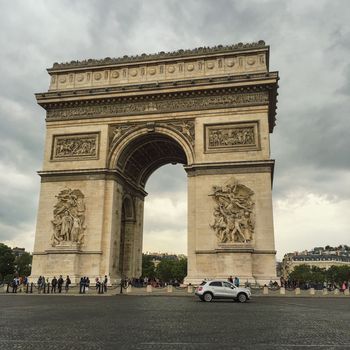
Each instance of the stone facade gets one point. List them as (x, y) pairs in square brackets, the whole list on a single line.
[(111, 123)]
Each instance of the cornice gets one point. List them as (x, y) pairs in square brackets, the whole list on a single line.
[(219, 49)]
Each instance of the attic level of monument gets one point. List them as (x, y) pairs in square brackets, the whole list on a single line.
[(219, 49), (111, 123)]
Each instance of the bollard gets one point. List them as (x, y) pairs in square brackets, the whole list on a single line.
[(7, 289), (312, 291), (324, 291), (265, 290), (346, 292), (149, 288), (297, 291), (44, 288), (170, 288), (282, 291), (27, 287), (31, 288), (190, 289), (336, 291), (48, 288)]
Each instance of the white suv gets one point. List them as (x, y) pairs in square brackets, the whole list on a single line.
[(219, 289)]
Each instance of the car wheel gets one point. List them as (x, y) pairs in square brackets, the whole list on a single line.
[(208, 297), (242, 298), (201, 298)]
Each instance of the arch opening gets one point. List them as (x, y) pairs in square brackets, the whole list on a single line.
[(146, 153)]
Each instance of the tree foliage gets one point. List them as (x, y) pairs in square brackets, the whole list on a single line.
[(148, 267), (313, 274), (24, 264), (172, 269), (7, 261)]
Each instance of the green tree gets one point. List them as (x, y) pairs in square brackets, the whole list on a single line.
[(301, 273), (179, 270), (148, 268), (24, 264), (338, 274), (7, 261), (164, 270)]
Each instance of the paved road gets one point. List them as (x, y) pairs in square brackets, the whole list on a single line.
[(150, 322)]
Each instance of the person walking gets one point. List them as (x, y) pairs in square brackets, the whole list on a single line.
[(68, 282), (60, 282)]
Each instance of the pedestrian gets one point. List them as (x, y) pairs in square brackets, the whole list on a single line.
[(53, 284), (105, 282), (87, 284), (230, 279), (39, 283), (81, 284), (60, 282), (236, 282), (68, 282)]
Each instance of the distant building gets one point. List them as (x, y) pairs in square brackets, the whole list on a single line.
[(17, 252), (319, 256)]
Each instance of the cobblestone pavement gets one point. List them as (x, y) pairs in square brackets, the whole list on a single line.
[(160, 322)]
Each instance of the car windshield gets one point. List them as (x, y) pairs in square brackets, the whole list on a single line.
[(203, 283)]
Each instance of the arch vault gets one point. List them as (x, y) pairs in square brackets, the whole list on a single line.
[(112, 122)]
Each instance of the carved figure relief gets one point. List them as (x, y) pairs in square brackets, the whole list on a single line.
[(68, 218), (186, 127), (234, 217), (231, 136), (75, 146), (193, 103)]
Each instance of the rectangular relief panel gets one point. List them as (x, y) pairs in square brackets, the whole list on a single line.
[(228, 137), (75, 147)]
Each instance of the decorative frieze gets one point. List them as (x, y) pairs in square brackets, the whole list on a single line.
[(234, 214), (75, 147), (232, 137), (122, 107)]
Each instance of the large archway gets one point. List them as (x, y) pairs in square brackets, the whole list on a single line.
[(111, 123)]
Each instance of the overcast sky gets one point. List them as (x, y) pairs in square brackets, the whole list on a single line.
[(310, 47)]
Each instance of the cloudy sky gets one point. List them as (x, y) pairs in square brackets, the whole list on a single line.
[(310, 47)]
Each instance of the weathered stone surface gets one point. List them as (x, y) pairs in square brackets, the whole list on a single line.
[(112, 123)]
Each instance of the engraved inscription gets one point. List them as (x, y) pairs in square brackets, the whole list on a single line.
[(75, 146)]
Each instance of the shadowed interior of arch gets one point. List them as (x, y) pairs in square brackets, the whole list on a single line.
[(147, 153)]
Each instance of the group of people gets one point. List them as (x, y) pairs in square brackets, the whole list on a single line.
[(56, 284), (18, 283), (234, 281)]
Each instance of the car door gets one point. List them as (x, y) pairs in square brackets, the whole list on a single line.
[(229, 290), (217, 289)]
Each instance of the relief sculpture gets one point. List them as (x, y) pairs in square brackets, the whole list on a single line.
[(231, 137), (233, 213), (69, 218), (75, 146)]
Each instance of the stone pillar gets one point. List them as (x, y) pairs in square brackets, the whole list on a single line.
[(282, 291), (312, 291), (170, 288), (149, 288), (346, 292), (265, 290), (324, 291), (129, 289), (190, 289), (336, 291), (297, 291)]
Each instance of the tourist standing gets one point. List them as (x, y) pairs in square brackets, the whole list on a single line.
[(60, 284), (87, 284), (68, 282), (105, 282), (53, 284), (230, 279), (236, 282)]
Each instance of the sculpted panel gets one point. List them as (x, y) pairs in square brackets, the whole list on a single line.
[(75, 146), (68, 218), (233, 136), (234, 217)]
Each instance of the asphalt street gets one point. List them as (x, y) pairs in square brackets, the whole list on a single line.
[(151, 322)]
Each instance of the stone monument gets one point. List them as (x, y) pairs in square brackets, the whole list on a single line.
[(111, 123)]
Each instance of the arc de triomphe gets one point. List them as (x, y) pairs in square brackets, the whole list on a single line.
[(112, 122)]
